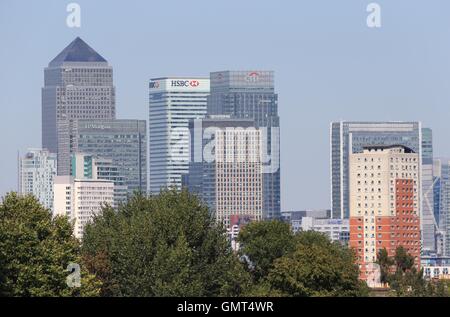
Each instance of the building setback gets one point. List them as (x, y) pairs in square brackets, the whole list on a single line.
[(78, 85), (123, 141), (251, 95), (173, 101), (384, 203), (37, 169), (81, 199)]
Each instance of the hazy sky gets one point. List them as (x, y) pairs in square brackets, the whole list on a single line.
[(328, 66)]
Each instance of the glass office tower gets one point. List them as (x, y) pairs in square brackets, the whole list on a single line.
[(251, 95), (123, 141), (441, 176), (173, 102), (78, 85), (88, 166), (37, 170)]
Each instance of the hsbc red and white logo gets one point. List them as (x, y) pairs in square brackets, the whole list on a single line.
[(185, 83), (154, 84)]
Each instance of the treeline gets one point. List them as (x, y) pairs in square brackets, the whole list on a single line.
[(168, 245)]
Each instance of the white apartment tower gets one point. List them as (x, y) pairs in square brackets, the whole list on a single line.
[(81, 199)]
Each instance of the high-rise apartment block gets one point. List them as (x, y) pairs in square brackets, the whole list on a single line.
[(78, 85), (37, 169), (351, 137), (384, 184), (81, 199), (173, 102), (251, 95)]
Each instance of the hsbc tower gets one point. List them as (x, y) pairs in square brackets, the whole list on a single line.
[(173, 102)]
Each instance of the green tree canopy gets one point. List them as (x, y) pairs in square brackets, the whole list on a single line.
[(403, 277), (385, 262), (263, 242), (303, 264), (164, 245), (35, 250), (317, 267)]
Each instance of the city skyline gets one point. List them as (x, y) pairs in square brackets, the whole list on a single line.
[(424, 94)]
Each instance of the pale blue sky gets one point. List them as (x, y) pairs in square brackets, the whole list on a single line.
[(328, 66)]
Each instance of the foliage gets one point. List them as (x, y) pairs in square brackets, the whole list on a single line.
[(306, 264), (385, 262), (317, 267), (403, 277), (164, 245), (35, 250), (263, 243)]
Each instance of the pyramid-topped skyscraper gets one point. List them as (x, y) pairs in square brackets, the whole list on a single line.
[(77, 51), (78, 85)]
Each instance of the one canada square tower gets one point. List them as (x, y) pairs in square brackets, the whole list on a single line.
[(78, 85)]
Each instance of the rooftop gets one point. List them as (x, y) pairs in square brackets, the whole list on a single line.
[(387, 147), (78, 51)]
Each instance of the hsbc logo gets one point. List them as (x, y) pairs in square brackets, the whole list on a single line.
[(194, 83), (154, 84), (185, 83)]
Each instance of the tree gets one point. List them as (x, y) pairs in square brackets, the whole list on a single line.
[(385, 262), (403, 260), (404, 278), (263, 242), (35, 250), (317, 267), (164, 245)]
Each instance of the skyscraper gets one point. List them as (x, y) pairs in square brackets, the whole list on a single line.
[(251, 95), (37, 170), (123, 141), (427, 220), (441, 174), (173, 102), (225, 169), (78, 85), (384, 203), (350, 137)]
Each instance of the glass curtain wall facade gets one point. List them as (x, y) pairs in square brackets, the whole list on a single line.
[(173, 101), (123, 141)]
